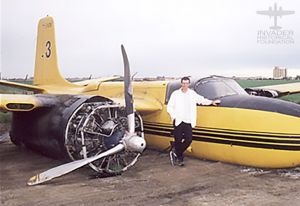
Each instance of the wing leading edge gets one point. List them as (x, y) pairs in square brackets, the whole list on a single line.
[(27, 87)]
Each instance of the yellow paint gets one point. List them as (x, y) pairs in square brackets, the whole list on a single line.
[(22, 86), (46, 70), (246, 121), (256, 157), (6, 99)]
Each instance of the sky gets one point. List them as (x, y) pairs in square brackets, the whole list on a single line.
[(161, 37)]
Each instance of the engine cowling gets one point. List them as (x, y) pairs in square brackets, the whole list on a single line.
[(75, 127)]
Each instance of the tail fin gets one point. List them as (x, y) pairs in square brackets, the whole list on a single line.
[(46, 70)]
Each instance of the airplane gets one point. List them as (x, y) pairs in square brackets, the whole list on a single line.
[(72, 120), (275, 13)]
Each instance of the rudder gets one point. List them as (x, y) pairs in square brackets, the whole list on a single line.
[(46, 70)]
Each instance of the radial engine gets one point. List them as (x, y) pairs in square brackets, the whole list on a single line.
[(75, 127)]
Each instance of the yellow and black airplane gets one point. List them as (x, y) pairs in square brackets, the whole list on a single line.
[(65, 120)]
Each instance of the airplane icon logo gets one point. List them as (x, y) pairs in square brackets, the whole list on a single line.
[(274, 12)]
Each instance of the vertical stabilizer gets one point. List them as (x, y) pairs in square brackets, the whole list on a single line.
[(46, 70)]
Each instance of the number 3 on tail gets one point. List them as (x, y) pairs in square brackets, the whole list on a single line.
[(48, 46)]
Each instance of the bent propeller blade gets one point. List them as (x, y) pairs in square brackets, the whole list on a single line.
[(128, 92), (69, 167)]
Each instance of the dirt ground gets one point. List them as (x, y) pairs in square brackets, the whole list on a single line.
[(152, 181)]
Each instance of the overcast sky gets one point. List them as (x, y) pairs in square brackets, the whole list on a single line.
[(162, 37)]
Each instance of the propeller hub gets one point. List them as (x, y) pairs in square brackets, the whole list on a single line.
[(134, 143)]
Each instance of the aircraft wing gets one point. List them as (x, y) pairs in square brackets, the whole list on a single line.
[(86, 85), (281, 12), (275, 13), (27, 87), (18, 102), (275, 90), (104, 79), (142, 105), (268, 13)]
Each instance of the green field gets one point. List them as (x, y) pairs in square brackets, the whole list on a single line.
[(5, 117), (258, 83)]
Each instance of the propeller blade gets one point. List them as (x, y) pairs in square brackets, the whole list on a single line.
[(71, 166), (128, 92)]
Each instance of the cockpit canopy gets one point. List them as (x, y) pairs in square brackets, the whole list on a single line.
[(217, 87), (214, 87)]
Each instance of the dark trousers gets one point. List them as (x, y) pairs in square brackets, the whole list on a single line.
[(183, 138)]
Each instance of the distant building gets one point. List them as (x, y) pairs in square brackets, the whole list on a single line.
[(279, 73)]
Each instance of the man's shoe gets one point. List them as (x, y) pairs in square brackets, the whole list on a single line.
[(180, 162)]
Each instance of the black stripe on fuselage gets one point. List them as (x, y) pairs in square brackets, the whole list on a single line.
[(238, 139), (230, 131)]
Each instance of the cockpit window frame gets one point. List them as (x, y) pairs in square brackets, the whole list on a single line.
[(225, 81)]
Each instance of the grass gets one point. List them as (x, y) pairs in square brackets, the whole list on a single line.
[(11, 90), (293, 98), (5, 117), (257, 83)]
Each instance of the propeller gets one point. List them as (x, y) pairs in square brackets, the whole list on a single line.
[(131, 141), (128, 91), (69, 167)]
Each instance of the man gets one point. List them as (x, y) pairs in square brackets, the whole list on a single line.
[(182, 108)]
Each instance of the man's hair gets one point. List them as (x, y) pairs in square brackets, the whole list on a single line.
[(185, 78)]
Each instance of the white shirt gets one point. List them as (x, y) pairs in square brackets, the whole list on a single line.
[(182, 106)]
